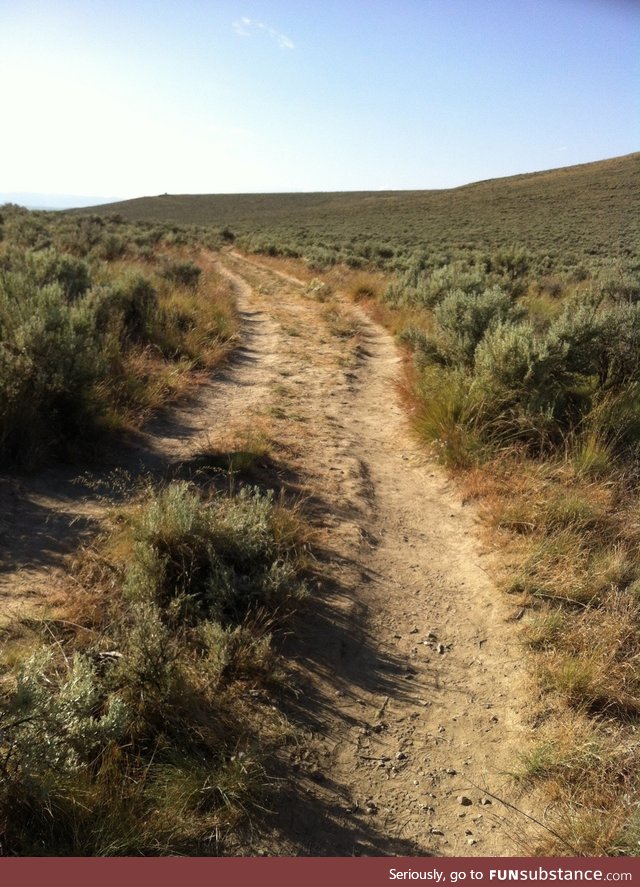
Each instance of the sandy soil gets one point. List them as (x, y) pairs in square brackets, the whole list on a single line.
[(412, 699)]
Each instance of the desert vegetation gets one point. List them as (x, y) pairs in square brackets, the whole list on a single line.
[(138, 725), (565, 223), (99, 324), (135, 719), (126, 727)]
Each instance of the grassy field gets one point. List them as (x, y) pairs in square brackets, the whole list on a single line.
[(567, 220)]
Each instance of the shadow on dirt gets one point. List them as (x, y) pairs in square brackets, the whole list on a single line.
[(338, 658)]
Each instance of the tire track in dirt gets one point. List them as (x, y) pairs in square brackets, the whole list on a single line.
[(414, 702)]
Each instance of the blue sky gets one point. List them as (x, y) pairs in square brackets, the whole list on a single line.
[(128, 98)]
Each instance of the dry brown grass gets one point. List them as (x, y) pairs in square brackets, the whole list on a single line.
[(590, 777), (569, 559), (188, 770), (293, 267)]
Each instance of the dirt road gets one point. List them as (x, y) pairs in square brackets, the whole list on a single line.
[(413, 684), (411, 703)]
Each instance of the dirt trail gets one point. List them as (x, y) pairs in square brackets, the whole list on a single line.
[(411, 683)]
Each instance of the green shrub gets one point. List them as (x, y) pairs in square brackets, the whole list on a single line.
[(540, 386), (48, 366), (111, 247), (512, 263), (462, 320), (218, 561), (418, 286), (65, 729), (182, 273), (129, 303), (49, 266)]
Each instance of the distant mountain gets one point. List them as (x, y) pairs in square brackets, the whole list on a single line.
[(51, 201)]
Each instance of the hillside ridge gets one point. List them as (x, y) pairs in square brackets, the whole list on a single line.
[(387, 192)]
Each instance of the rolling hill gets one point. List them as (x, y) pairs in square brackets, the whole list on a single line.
[(587, 213)]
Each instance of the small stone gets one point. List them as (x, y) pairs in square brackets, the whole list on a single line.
[(464, 800), (401, 756), (441, 649), (471, 841), (436, 831), (468, 831), (451, 771), (414, 631), (371, 808), (485, 801)]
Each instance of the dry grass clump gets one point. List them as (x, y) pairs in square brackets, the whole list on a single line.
[(590, 775), (364, 287), (340, 321), (137, 726), (570, 545)]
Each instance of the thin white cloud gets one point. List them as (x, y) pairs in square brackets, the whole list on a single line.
[(241, 27), (245, 25)]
